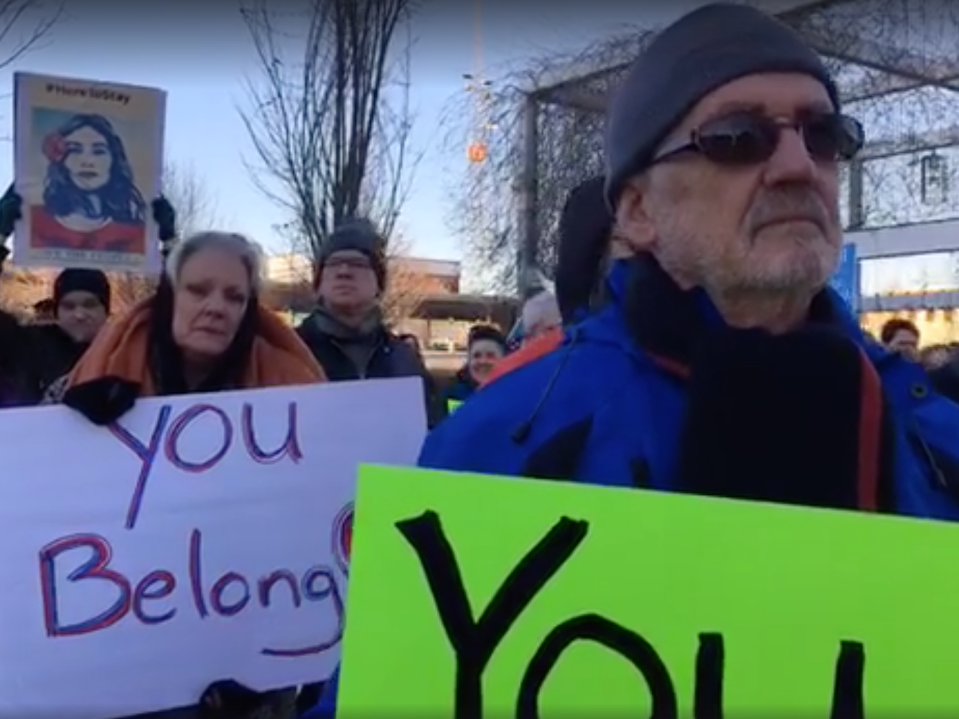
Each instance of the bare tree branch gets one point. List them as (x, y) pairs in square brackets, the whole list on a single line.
[(24, 25), (406, 287), (329, 115), (128, 289), (196, 208), (569, 150), (894, 61), (196, 211)]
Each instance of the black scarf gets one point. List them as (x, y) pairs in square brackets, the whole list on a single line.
[(797, 418)]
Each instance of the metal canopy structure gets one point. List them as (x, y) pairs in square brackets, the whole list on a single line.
[(897, 68)]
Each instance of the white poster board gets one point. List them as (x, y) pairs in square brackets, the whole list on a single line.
[(88, 161), (203, 538)]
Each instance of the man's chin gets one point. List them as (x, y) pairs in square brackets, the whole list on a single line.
[(800, 268), (343, 298), (793, 280), (82, 337)]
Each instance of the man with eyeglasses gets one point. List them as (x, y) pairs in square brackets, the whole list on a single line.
[(725, 366), (346, 331)]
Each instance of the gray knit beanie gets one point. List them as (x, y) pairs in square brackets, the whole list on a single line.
[(697, 54), (359, 235)]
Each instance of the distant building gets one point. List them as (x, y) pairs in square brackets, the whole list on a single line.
[(436, 276), (441, 276), (289, 269)]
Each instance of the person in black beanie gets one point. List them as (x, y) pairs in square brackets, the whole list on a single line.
[(32, 357), (346, 331), (724, 365), (81, 299), (37, 355)]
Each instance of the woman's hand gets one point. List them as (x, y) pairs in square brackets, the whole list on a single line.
[(228, 699), (11, 210), (104, 400)]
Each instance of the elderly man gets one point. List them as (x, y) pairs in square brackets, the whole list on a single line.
[(723, 365)]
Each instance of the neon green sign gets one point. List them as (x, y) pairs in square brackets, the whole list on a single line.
[(476, 597)]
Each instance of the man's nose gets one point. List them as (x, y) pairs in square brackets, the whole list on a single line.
[(791, 162)]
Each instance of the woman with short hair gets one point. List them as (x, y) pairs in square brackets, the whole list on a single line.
[(203, 331)]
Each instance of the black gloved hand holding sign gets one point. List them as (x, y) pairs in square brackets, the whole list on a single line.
[(165, 217), (11, 211), (229, 699)]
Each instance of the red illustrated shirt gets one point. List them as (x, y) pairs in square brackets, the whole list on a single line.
[(112, 237)]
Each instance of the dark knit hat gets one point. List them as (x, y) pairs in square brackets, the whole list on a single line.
[(359, 235), (82, 280), (700, 52), (584, 231), (486, 332)]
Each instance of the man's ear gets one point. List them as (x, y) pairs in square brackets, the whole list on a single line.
[(634, 227)]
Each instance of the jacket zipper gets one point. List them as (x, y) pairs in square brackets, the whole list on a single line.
[(363, 371)]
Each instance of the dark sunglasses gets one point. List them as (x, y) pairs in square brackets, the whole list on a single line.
[(749, 138)]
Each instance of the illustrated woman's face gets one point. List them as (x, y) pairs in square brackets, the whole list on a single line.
[(88, 158), (210, 299)]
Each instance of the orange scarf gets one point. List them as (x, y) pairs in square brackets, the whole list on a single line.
[(532, 350), (278, 357)]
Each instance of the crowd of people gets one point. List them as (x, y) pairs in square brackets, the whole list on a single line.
[(205, 330), (692, 344), (941, 361)]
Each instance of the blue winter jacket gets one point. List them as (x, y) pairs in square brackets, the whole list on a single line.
[(326, 707), (635, 406)]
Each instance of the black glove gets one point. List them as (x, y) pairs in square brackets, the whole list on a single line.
[(165, 217), (11, 210), (103, 400), (228, 699)]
